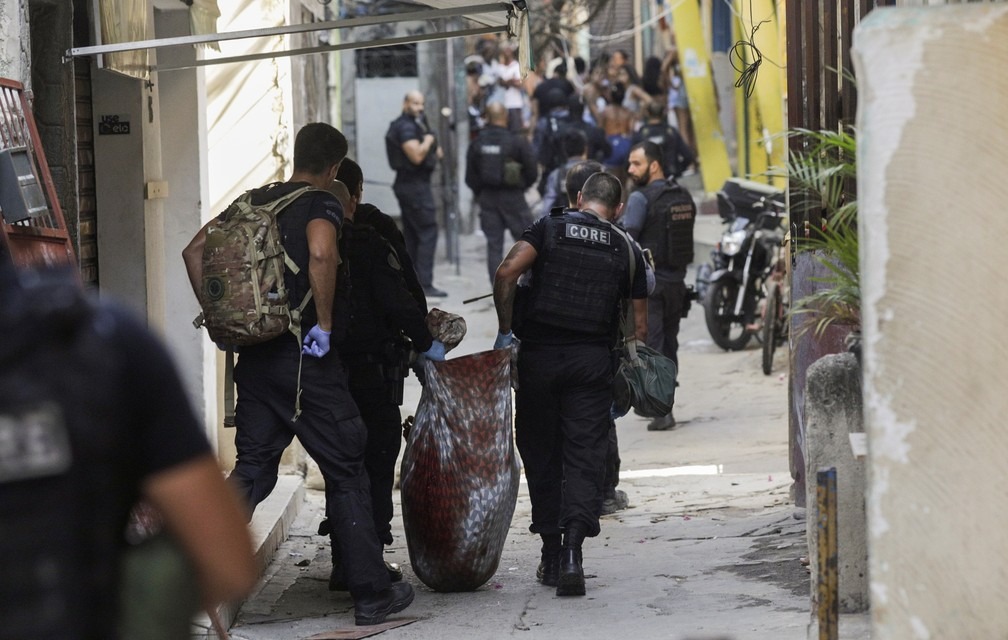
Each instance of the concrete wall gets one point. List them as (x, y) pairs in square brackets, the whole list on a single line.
[(833, 411), (931, 188), (14, 41)]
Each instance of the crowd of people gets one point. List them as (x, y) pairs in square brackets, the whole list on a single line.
[(609, 100)]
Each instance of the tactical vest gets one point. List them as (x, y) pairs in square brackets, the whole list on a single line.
[(367, 331), (578, 279), (494, 146), (65, 451), (668, 227)]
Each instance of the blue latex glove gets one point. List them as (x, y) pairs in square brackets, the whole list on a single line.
[(504, 340), (316, 343), (615, 412), (436, 351)]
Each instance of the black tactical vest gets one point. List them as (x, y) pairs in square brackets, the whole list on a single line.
[(367, 331), (494, 146), (578, 279), (65, 465), (668, 227)]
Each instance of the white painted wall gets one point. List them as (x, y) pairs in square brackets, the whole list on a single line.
[(250, 136), (186, 209), (119, 183), (931, 188)]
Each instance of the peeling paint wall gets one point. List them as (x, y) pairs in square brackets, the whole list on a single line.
[(933, 156), (14, 41), (249, 112)]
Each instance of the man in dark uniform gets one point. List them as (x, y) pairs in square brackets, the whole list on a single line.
[(377, 358), (660, 215), (93, 417), (270, 376), (413, 153), (500, 166), (677, 157), (580, 266), (351, 175)]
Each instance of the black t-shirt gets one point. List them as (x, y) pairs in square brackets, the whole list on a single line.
[(95, 378), (293, 224), (403, 129), (382, 303), (534, 332)]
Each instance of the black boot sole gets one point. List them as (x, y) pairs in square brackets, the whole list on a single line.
[(379, 616), (545, 577), (570, 585)]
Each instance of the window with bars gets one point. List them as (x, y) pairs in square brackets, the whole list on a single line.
[(395, 61)]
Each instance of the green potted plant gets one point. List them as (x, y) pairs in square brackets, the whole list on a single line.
[(821, 178)]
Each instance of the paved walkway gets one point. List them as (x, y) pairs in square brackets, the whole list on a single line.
[(708, 549)]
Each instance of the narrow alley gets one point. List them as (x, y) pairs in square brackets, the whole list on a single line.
[(708, 549)]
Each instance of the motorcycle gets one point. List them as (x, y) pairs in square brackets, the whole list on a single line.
[(732, 284)]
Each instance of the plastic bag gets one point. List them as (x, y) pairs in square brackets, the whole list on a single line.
[(645, 380), (459, 477)]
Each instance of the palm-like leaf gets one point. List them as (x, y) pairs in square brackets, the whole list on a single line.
[(821, 175)]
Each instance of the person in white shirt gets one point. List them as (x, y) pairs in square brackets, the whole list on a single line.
[(508, 73)]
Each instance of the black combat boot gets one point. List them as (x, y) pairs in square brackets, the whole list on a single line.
[(549, 566), (571, 581)]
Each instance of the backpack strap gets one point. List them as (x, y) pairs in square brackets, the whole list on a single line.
[(629, 318)]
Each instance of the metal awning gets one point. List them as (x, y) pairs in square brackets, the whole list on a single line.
[(510, 16)]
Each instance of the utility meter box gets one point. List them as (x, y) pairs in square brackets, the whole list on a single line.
[(21, 194)]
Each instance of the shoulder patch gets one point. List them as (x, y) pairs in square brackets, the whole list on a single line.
[(393, 261)]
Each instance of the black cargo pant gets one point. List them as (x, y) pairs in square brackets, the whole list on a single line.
[(665, 306), (330, 430), (420, 228), (500, 210), (373, 394), (562, 430)]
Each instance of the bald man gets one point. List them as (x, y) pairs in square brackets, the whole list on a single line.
[(500, 166), (413, 154)]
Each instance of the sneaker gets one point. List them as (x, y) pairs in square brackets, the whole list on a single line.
[(374, 609), (433, 292), (663, 423)]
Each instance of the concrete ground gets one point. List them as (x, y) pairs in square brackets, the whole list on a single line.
[(708, 549)]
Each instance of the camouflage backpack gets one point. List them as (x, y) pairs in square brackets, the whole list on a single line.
[(244, 298)]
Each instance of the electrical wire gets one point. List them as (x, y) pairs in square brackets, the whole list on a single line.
[(745, 50)]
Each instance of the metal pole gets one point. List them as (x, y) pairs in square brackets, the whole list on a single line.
[(452, 195), (827, 588)]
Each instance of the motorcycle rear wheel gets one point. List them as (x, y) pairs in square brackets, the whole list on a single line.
[(772, 320), (727, 330)]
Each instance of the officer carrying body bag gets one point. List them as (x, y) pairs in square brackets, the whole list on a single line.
[(460, 473), (645, 379)]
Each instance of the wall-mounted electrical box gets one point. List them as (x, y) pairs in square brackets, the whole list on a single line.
[(21, 194)]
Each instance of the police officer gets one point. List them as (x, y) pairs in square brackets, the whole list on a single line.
[(269, 375), (660, 215), (413, 153), (500, 166), (92, 416), (376, 356), (677, 157), (351, 175), (580, 268)]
